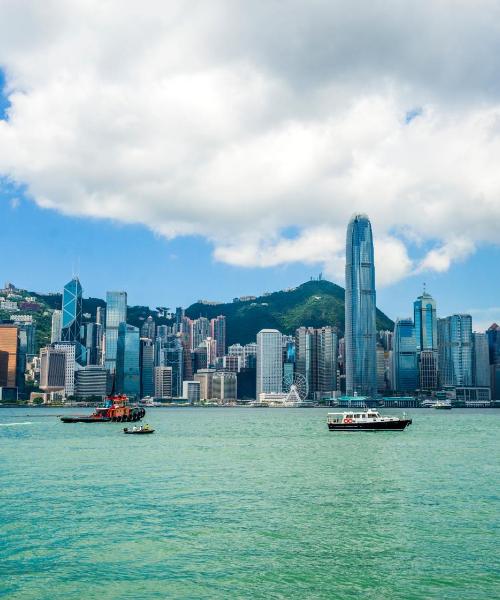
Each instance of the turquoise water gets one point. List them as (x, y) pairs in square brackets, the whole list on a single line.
[(242, 503)]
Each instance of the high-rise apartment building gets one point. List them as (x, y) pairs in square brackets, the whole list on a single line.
[(71, 325), (360, 309), (9, 346), (56, 326), (481, 362), (404, 356), (116, 313), (163, 382), (269, 361), (148, 329), (218, 333), (127, 361), (200, 330)]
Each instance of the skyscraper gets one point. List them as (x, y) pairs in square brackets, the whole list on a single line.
[(455, 350), (71, 324), (127, 360), (218, 333), (9, 345), (424, 310), (116, 313), (148, 329), (481, 363), (147, 367), (269, 361), (360, 309), (315, 353), (93, 343), (404, 356)]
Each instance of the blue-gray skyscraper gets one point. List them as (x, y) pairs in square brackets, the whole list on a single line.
[(424, 309), (360, 307), (71, 322), (455, 350), (116, 313), (404, 357), (481, 362), (127, 360)]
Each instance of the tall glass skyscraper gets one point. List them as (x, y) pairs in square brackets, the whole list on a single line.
[(424, 309), (127, 360), (360, 307), (71, 323), (404, 356), (481, 362), (116, 313), (455, 350)]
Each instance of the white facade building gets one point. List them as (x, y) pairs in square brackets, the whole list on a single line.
[(269, 361)]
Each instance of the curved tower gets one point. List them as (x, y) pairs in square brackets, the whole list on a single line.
[(360, 307)]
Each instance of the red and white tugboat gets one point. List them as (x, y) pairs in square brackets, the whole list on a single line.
[(365, 420), (116, 408)]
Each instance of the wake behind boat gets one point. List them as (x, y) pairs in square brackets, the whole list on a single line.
[(365, 420)]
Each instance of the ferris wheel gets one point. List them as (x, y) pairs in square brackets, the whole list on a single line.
[(296, 382)]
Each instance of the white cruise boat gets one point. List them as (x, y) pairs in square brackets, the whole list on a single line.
[(365, 420)]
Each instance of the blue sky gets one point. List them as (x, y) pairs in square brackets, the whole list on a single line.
[(157, 152)]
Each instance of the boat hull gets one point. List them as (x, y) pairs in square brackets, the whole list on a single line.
[(85, 420), (142, 432), (373, 426)]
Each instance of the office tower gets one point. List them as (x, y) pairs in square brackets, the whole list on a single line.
[(91, 382), (251, 355), (232, 363), (381, 369), (224, 386), (187, 363), (455, 350), (205, 378), (52, 369), (71, 325), (200, 330), (315, 353), (424, 311), (179, 315), (169, 353), (269, 361), (481, 362), (116, 313), (200, 358), (147, 363), (127, 361), (404, 356), (162, 332), (70, 349), (148, 329), (9, 347), (493, 335), (385, 339), (163, 382), (55, 330), (428, 369), (360, 329), (304, 357), (191, 391), (218, 333), (93, 343), (100, 316)]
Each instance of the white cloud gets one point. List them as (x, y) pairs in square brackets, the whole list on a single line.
[(238, 121)]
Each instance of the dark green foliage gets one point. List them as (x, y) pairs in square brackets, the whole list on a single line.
[(312, 304)]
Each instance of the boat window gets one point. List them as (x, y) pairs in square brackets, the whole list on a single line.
[(363, 416), (356, 416)]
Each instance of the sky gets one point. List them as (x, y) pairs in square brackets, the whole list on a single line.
[(189, 150)]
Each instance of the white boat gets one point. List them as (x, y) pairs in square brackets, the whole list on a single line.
[(365, 420)]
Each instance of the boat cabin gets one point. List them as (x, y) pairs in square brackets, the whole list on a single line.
[(353, 416)]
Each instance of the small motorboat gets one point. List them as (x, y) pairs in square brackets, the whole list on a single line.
[(138, 430)]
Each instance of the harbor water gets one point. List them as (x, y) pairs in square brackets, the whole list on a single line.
[(249, 503)]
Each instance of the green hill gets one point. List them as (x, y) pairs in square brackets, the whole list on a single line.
[(312, 304)]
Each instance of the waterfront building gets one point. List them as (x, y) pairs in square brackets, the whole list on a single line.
[(93, 343), (163, 382), (70, 349), (404, 356), (147, 364), (9, 347), (191, 391), (360, 309), (481, 362), (205, 378), (224, 387), (250, 355), (315, 353), (127, 361), (269, 361), (428, 368), (52, 369), (56, 326), (232, 363), (91, 381), (71, 325), (116, 313), (455, 350), (493, 334), (218, 333)]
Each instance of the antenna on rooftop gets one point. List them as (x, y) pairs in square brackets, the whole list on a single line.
[(424, 287)]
